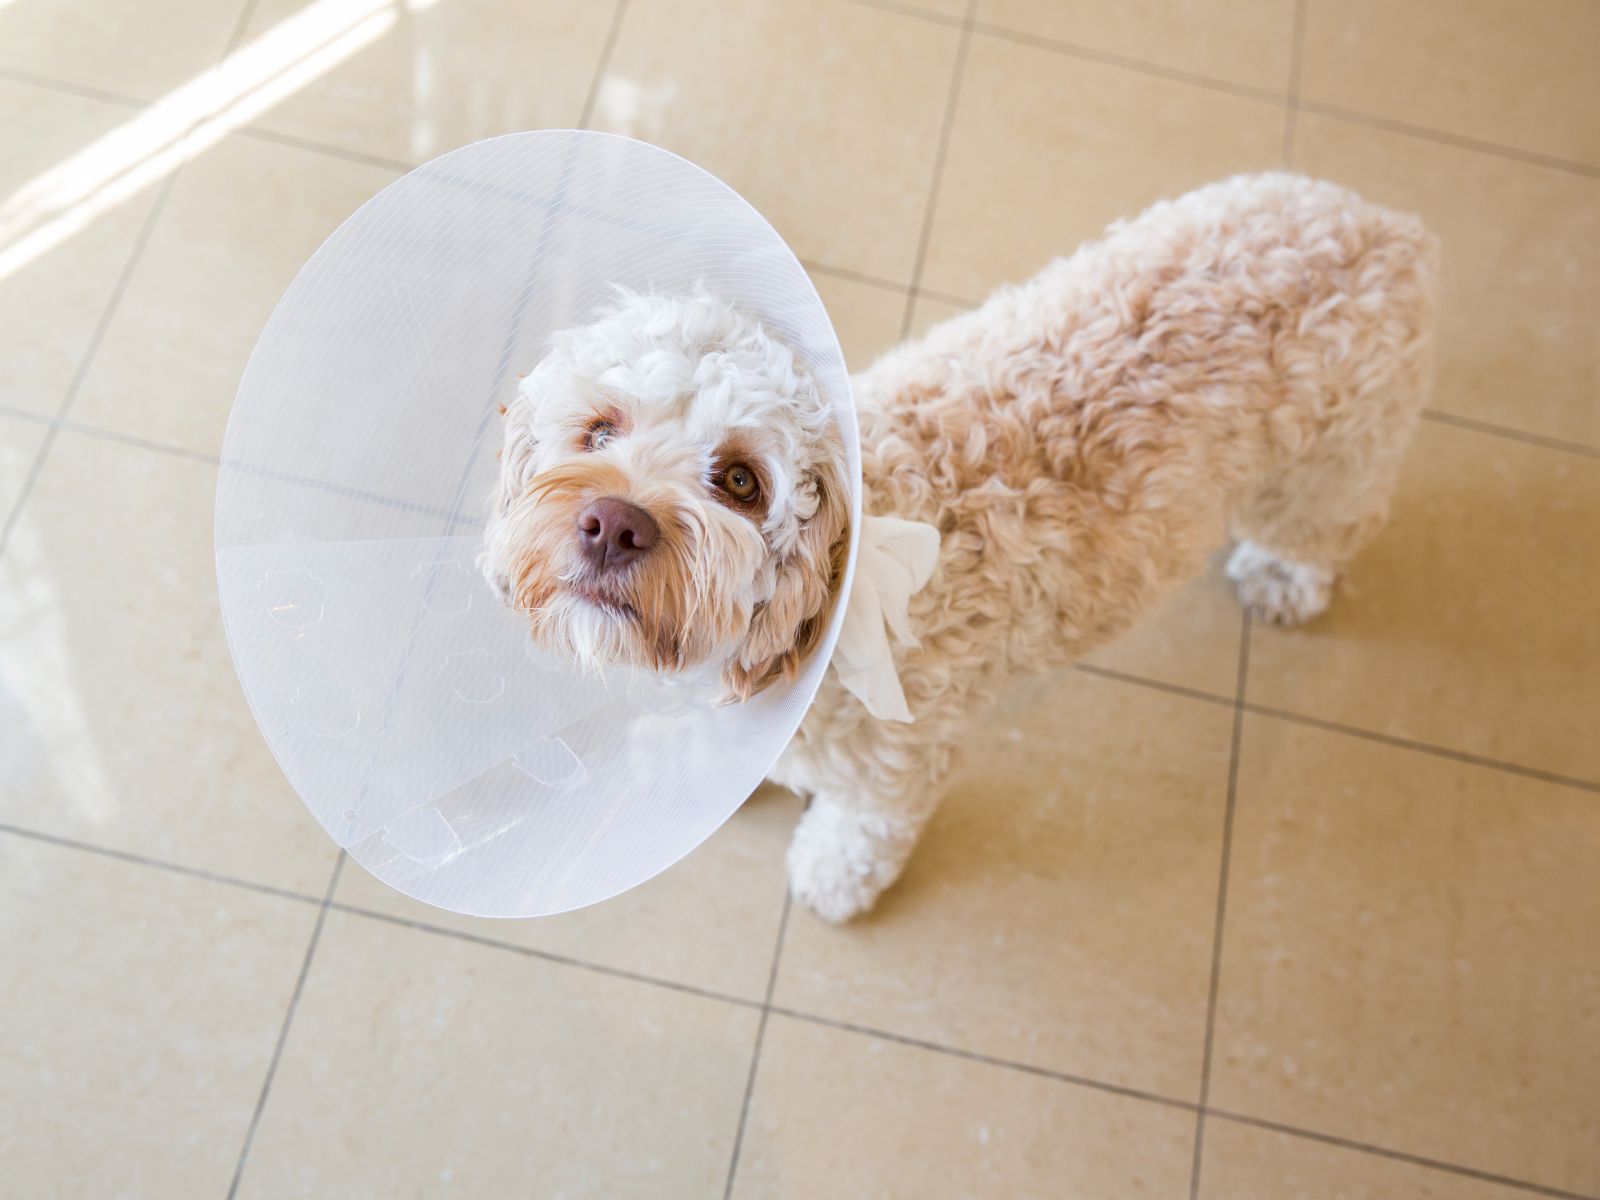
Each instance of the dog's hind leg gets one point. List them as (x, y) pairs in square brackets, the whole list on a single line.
[(1301, 528)]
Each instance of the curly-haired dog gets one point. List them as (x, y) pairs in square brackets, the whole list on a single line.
[(1249, 358)]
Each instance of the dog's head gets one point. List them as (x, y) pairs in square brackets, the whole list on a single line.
[(672, 494)]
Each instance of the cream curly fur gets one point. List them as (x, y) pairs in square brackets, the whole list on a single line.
[(1249, 359)]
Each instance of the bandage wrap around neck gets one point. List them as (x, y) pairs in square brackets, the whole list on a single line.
[(407, 707)]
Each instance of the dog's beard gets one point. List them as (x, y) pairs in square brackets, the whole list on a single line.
[(686, 603)]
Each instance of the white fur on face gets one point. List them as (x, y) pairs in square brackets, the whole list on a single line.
[(653, 403)]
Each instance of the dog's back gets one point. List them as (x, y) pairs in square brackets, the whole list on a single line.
[(1253, 353)]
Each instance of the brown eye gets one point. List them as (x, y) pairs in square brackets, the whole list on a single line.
[(598, 434), (739, 481)]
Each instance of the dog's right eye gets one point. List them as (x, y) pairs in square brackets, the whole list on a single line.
[(598, 434)]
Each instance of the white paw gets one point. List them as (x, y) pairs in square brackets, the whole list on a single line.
[(840, 862), (1276, 590)]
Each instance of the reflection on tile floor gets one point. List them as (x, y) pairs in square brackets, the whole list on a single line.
[(1401, 1002)]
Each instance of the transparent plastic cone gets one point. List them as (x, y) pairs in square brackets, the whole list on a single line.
[(406, 705)]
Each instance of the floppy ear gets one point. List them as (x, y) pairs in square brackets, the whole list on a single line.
[(787, 627), (516, 454), (516, 468)]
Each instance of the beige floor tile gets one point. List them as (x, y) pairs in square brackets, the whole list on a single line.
[(824, 116), (144, 50), (121, 722), (866, 317), (918, 1123), (1046, 150), (1245, 43), (241, 221), (1469, 622), (927, 312), (1409, 955), (1059, 910), (1497, 70), (141, 1009), (1519, 315), (1244, 1163), (19, 442), (61, 249), (940, 8), (420, 1064), (425, 77), (709, 922), (1190, 639)]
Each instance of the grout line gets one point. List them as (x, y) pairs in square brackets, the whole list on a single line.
[(1388, 739), (283, 1031), (113, 301), (888, 285), (1349, 116), (991, 1060), (131, 439), (72, 89), (603, 64), (22, 414), (146, 861), (1505, 431), (1399, 1155), (1291, 113), (325, 148), (795, 1014), (549, 956), (1138, 65), (957, 70), (1460, 141), (761, 1033), (1371, 735), (1154, 684), (946, 298), (1069, 49), (1240, 683), (911, 10)]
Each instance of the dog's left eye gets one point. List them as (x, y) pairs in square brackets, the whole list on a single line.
[(598, 434), (740, 482)]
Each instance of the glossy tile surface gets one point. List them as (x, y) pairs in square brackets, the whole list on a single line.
[(242, 219), (824, 116), (121, 720), (865, 316), (1408, 944), (1007, 936), (64, 241), (20, 439), (1000, 1133), (410, 81), (707, 922), (1519, 312), (1410, 953), (146, 51), (1245, 1163), (1518, 75), (424, 1058), (141, 1011), (1035, 126), (1244, 42), (1469, 623)]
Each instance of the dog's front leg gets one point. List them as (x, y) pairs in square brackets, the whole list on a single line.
[(872, 785), (844, 855)]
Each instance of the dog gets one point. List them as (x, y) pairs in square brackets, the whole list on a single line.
[(1250, 358)]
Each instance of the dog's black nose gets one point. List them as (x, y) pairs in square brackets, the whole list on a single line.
[(613, 533)]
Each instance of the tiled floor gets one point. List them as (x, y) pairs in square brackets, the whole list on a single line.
[(1224, 913)]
